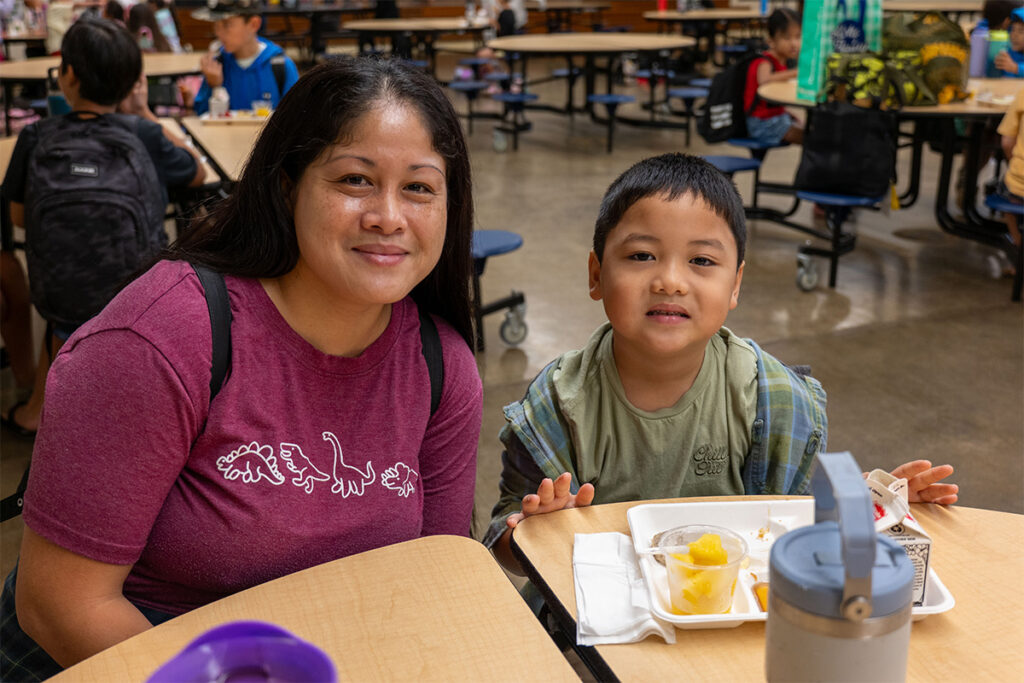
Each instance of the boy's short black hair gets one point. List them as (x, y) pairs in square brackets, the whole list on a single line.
[(781, 19), (673, 175), (106, 59), (996, 12)]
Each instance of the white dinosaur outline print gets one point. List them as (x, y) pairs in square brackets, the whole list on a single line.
[(390, 479), (306, 473), (226, 464), (358, 481)]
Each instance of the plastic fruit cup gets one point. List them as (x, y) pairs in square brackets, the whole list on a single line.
[(261, 108), (702, 589)]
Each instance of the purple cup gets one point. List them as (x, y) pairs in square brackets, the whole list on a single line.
[(244, 652)]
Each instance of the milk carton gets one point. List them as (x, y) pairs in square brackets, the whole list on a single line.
[(893, 518)]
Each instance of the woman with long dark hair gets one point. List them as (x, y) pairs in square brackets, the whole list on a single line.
[(346, 237)]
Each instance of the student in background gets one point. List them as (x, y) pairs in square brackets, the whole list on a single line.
[(1011, 186), (664, 401), (772, 124), (114, 11), (1011, 62), (165, 20), (143, 25), (249, 67), (101, 69), (345, 242)]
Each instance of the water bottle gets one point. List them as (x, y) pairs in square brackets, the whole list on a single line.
[(839, 595), (764, 8), (470, 12), (247, 651), (979, 50), (997, 42)]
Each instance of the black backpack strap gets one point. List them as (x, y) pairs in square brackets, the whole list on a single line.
[(277, 65), (432, 353), (220, 324), (10, 507)]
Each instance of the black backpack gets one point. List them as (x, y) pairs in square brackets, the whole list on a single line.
[(724, 115), (94, 210)]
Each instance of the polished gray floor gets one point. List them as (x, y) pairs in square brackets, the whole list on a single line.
[(920, 349)]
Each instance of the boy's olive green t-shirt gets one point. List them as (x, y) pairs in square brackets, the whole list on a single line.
[(695, 448)]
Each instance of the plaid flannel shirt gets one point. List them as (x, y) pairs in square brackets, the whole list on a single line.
[(790, 428)]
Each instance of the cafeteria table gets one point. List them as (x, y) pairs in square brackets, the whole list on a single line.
[(972, 225), (437, 608), (321, 15), (589, 46), (706, 23), (976, 554), (226, 146), (36, 70), (424, 30), (559, 14)]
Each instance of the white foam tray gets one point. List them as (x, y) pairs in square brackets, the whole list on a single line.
[(760, 523)]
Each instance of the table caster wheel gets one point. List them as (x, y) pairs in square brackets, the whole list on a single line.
[(513, 329), (806, 273)]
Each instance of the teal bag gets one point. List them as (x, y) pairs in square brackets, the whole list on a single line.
[(834, 26)]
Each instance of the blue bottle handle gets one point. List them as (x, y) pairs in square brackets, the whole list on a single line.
[(841, 495)]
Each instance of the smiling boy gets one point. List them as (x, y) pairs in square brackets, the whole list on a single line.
[(664, 401)]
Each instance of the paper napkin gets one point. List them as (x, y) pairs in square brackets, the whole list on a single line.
[(612, 602)]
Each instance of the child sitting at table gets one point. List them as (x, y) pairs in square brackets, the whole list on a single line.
[(250, 67), (772, 124), (1011, 61), (664, 401), (1011, 187)]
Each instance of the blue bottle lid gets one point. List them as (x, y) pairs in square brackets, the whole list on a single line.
[(839, 567)]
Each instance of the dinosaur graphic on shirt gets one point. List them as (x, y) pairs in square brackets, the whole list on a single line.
[(348, 480), (400, 478), (306, 473), (251, 463)]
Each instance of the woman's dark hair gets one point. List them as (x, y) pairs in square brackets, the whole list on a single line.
[(672, 176), (781, 19), (142, 15), (105, 57), (252, 232)]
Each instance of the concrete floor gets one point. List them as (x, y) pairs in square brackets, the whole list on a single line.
[(920, 350)]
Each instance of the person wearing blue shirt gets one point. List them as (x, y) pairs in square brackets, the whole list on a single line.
[(1011, 62), (249, 67)]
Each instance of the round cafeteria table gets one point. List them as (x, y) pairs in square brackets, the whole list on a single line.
[(559, 14), (972, 226), (426, 29)]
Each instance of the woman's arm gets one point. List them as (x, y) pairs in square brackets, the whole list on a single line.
[(70, 605)]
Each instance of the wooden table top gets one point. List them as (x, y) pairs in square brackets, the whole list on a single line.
[(784, 93), (432, 609), (172, 125), (416, 25), (568, 5), (595, 43), (154, 64), (936, 6), (976, 554), (724, 14), (228, 145), (6, 150)]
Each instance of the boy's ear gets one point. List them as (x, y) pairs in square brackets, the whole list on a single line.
[(253, 21), (594, 269), (735, 298)]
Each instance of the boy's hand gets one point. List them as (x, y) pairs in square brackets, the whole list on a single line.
[(137, 101), (213, 71), (1004, 62), (552, 496), (921, 482)]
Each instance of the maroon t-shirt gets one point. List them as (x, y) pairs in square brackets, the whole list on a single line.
[(301, 459)]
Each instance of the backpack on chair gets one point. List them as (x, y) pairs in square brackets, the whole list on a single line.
[(94, 210), (724, 115)]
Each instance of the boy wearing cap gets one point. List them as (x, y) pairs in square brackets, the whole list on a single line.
[(249, 67)]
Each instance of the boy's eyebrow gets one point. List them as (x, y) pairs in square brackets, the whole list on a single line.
[(639, 237), (713, 243)]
